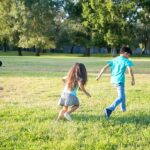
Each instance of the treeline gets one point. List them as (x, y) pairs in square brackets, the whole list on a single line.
[(41, 25)]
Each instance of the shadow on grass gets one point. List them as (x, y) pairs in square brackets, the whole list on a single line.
[(86, 118), (138, 119)]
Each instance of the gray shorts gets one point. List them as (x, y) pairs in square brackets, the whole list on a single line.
[(68, 100)]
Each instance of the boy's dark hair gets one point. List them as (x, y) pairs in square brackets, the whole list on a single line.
[(126, 49), (1, 63)]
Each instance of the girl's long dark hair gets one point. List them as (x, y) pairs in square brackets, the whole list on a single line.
[(76, 73)]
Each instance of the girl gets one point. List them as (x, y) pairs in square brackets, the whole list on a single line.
[(76, 78)]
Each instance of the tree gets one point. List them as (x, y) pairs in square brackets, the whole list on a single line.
[(29, 23), (39, 25), (5, 26), (72, 32), (144, 23), (112, 19)]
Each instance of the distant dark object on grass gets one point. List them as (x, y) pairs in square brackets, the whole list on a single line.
[(1, 63)]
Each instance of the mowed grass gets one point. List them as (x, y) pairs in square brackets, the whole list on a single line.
[(58, 65), (28, 107)]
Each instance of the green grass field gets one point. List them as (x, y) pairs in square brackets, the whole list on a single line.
[(28, 106)]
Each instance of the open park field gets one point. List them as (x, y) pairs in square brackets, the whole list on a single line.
[(28, 106)]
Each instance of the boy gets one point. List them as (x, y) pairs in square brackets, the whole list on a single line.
[(118, 67)]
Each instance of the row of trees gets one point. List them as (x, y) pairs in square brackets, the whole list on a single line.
[(50, 24)]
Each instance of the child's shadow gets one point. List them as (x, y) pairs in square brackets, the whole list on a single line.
[(86, 118), (139, 119)]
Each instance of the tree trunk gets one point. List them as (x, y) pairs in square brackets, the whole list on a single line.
[(109, 48), (5, 45), (87, 52), (71, 51), (37, 52), (19, 51), (113, 51)]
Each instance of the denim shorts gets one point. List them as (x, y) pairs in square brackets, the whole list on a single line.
[(68, 100)]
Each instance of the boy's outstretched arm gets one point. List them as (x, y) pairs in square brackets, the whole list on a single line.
[(83, 89), (102, 71), (132, 75)]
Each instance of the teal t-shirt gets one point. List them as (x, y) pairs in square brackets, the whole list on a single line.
[(72, 92), (118, 67)]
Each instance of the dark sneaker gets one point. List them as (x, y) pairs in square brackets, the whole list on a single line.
[(107, 113)]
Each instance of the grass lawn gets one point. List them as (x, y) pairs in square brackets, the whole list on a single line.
[(28, 107)]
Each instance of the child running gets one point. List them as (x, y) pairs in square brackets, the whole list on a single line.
[(76, 78), (118, 67)]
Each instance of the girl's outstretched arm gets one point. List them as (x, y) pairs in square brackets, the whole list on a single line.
[(102, 71), (81, 86)]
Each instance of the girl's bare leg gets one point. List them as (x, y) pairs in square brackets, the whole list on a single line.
[(61, 113), (73, 109)]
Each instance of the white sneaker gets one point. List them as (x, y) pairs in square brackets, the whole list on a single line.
[(67, 116)]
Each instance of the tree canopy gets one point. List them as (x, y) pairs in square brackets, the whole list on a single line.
[(46, 24)]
